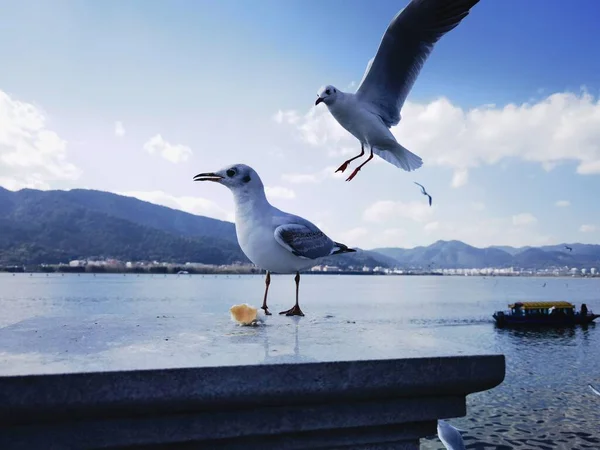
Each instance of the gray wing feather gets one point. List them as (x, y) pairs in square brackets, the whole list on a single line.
[(404, 48), (302, 241)]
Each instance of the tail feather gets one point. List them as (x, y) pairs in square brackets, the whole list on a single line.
[(399, 157), (341, 248)]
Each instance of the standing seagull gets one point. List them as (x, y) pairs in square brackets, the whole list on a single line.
[(270, 238), (375, 107), (423, 191)]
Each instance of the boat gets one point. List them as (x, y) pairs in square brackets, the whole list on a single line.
[(557, 313)]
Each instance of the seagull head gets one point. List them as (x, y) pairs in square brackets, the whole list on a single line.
[(327, 95), (237, 177)]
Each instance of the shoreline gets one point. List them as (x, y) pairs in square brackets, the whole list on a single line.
[(244, 270)]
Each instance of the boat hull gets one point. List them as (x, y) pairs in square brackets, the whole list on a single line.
[(508, 320)]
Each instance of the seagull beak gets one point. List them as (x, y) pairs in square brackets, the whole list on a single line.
[(209, 176), (319, 100)]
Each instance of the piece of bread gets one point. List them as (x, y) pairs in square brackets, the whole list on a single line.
[(244, 314)]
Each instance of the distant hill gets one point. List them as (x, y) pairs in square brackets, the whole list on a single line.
[(59, 226), (456, 254)]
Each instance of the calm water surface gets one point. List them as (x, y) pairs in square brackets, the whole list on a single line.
[(544, 402)]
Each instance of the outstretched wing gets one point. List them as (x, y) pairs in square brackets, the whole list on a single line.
[(404, 48), (303, 241), (421, 186)]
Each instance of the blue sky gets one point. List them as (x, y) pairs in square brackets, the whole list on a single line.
[(200, 85)]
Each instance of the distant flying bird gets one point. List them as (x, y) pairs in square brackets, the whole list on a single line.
[(569, 248), (450, 436), (594, 390), (544, 285), (369, 113), (272, 239), (423, 191)]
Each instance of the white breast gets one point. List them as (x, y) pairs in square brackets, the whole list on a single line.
[(361, 123)]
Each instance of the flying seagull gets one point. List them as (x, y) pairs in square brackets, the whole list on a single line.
[(272, 239), (450, 436), (423, 191), (569, 248), (369, 113)]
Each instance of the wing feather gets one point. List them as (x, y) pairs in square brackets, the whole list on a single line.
[(404, 48), (303, 242)]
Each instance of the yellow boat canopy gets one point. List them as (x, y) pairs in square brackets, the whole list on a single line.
[(542, 305)]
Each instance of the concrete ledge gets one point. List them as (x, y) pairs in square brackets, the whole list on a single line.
[(375, 404)]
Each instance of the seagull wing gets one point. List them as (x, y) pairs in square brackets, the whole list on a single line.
[(450, 436), (304, 241), (422, 187), (404, 48), (594, 390), (430, 199)]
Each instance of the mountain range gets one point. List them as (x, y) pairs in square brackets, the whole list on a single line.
[(58, 226)]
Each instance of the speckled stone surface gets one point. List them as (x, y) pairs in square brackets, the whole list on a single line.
[(305, 405), (109, 342), (205, 382)]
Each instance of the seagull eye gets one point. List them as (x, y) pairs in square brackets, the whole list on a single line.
[(230, 173), (328, 92)]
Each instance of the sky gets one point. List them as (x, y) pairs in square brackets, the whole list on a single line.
[(137, 97)]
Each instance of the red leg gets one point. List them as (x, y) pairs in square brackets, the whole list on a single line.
[(345, 165), (267, 283), (295, 310), (359, 167)]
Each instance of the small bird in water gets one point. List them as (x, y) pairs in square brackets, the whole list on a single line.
[(369, 113), (272, 239), (450, 436), (423, 191), (569, 248)]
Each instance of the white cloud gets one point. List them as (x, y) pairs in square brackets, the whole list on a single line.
[(31, 155), (588, 228), (119, 129), (563, 203), (279, 192), (390, 237), (350, 236), (194, 205), (561, 127), (431, 226), (290, 117), (386, 210), (589, 168), (174, 153), (460, 178), (478, 206), (523, 219), (328, 172), (300, 178)]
